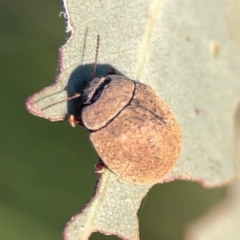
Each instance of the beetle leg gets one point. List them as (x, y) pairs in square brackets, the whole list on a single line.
[(74, 121), (99, 167), (112, 71)]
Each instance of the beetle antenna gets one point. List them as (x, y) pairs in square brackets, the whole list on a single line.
[(76, 95), (96, 57)]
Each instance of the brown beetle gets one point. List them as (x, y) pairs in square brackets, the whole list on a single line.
[(133, 130)]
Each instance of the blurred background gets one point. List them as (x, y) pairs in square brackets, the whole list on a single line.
[(46, 169)]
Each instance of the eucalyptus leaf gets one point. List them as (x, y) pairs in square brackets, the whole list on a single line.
[(113, 210), (181, 49)]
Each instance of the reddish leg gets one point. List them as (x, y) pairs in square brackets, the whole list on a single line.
[(73, 120), (99, 167), (112, 71)]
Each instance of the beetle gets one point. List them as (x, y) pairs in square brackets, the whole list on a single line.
[(134, 131)]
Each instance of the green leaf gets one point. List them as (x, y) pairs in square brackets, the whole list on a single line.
[(181, 49)]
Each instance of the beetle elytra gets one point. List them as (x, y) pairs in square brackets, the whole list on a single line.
[(133, 130)]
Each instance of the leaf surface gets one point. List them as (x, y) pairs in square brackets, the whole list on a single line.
[(113, 210), (181, 49)]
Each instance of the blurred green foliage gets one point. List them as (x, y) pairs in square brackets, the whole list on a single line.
[(46, 169)]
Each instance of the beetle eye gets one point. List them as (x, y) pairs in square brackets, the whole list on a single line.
[(90, 97), (84, 99)]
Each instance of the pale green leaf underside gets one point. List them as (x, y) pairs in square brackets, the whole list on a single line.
[(113, 210), (171, 46), (222, 221), (168, 45)]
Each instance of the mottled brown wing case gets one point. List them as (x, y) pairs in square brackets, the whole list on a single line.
[(143, 143)]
